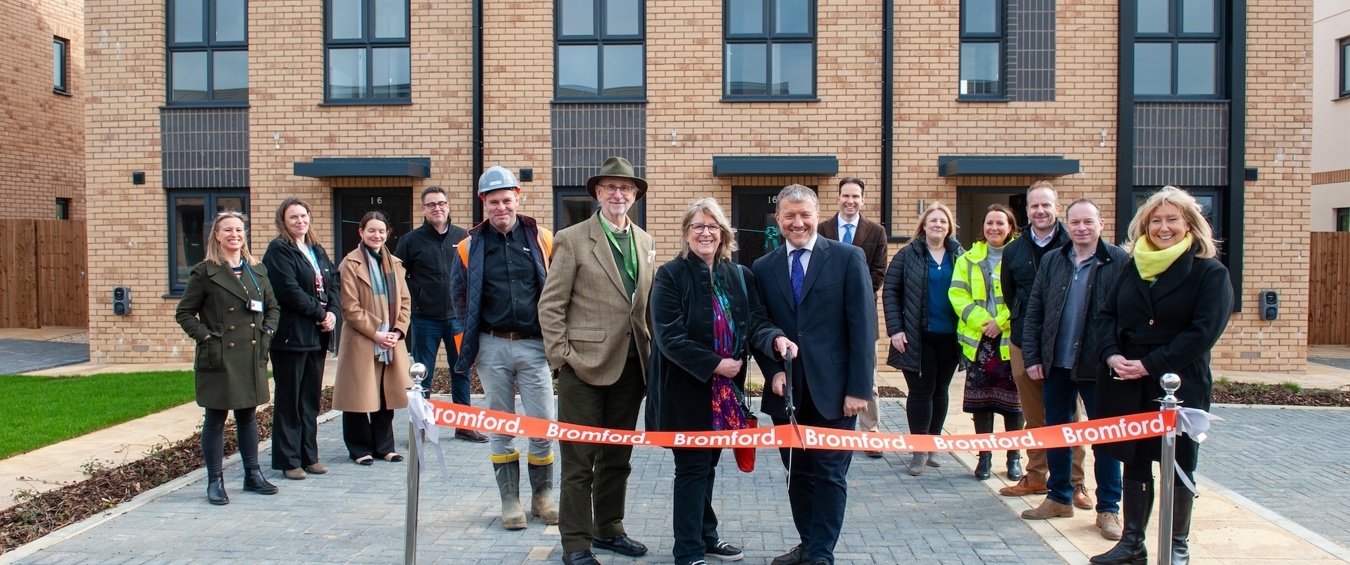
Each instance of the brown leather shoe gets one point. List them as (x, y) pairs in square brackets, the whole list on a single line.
[(316, 469), (1024, 487), (1047, 510), (1081, 498), (470, 435), (873, 454), (296, 474), (1109, 524)]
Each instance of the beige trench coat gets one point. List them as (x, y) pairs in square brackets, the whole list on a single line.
[(359, 375)]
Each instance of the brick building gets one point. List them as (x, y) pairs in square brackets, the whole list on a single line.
[(1331, 116), (354, 104), (42, 126)]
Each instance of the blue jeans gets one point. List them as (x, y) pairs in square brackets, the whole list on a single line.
[(427, 336), (1060, 393)]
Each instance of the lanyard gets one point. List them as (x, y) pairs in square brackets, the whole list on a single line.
[(250, 275), (630, 261)]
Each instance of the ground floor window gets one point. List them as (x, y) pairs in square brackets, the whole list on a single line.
[(1343, 219), (190, 217), (63, 208)]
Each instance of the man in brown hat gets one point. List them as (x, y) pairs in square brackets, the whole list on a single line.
[(593, 312)]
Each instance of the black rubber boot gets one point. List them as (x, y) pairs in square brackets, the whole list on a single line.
[(1136, 504), (1181, 526), (256, 482), (215, 489)]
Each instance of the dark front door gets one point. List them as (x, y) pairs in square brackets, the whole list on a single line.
[(352, 203), (752, 209)]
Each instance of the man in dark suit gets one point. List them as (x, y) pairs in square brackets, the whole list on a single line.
[(871, 237), (819, 293)]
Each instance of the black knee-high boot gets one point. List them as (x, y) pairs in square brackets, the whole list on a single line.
[(984, 424), (1182, 504), (1136, 504), (1012, 423)]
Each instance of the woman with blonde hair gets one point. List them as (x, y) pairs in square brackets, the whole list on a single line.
[(372, 367), (1168, 309), (229, 309), (982, 329), (706, 320), (921, 323), (305, 282)]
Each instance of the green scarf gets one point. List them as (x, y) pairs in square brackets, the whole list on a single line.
[(1151, 261)]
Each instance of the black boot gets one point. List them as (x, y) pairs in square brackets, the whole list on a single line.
[(1136, 504), (215, 488), (983, 467), (1015, 470), (1181, 525), (256, 482)]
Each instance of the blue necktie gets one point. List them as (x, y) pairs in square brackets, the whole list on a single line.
[(848, 233), (798, 274)]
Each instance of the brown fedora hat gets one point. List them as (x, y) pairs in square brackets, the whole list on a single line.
[(617, 167)]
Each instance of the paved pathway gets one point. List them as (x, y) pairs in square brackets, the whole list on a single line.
[(24, 355), (355, 514), (1292, 461)]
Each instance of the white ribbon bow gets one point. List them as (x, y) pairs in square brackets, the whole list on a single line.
[(424, 427), (1193, 422)]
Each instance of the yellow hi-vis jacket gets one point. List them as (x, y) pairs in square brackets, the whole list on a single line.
[(977, 296)]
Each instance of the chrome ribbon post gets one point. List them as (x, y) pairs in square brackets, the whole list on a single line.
[(1167, 482), (417, 371)]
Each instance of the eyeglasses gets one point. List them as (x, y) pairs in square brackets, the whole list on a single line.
[(441, 204), (608, 189), (704, 228)]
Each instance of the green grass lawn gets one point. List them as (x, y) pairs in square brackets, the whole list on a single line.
[(40, 411)]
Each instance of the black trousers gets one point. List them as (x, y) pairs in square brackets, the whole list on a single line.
[(818, 487), (213, 437), (298, 382), (369, 433), (594, 492), (926, 409)]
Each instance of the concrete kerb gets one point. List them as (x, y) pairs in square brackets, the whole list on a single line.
[(143, 499)]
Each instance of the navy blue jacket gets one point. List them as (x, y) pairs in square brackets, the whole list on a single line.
[(466, 284)]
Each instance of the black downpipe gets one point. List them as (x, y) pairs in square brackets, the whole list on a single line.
[(478, 138), (887, 111)]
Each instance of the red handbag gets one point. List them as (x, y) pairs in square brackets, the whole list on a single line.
[(745, 456)]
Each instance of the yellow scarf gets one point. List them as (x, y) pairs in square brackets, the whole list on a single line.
[(1151, 262)]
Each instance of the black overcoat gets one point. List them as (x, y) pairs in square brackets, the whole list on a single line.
[(302, 307), (1171, 325), (679, 374)]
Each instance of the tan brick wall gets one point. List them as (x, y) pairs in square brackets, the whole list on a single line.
[(42, 144), (684, 93)]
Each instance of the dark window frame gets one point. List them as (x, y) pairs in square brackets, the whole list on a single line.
[(1176, 37), (637, 212), (370, 43), (207, 45), (60, 65), (600, 39), (1343, 60), (998, 37), (63, 208), (1342, 219), (769, 40), (1218, 220), (209, 212)]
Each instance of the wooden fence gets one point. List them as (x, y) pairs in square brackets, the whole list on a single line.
[(42, 274), (1329, 289)]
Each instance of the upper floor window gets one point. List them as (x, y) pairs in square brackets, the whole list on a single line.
[(770, 49), (60, 53), (208, 51), (982, 32), (369, 52), (600, 50), (1343, 55), (1178, 48)]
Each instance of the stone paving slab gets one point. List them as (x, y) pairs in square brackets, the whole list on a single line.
[(355, 514), (24, 355), (1290, 460)]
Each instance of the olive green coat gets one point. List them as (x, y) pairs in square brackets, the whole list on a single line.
[(231, 360), (360, 378)]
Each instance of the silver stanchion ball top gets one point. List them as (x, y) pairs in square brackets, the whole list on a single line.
[(417, 371), (1170, 382)]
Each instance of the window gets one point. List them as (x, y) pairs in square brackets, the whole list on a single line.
[(63, 208), (981, 49), (1343, 89), (1178, 48), (770, 50), (1343, 219), (1211, 206), (368, 52), (208, 52), (190, 217), (60, 52), (572, 205), (600, 50)]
